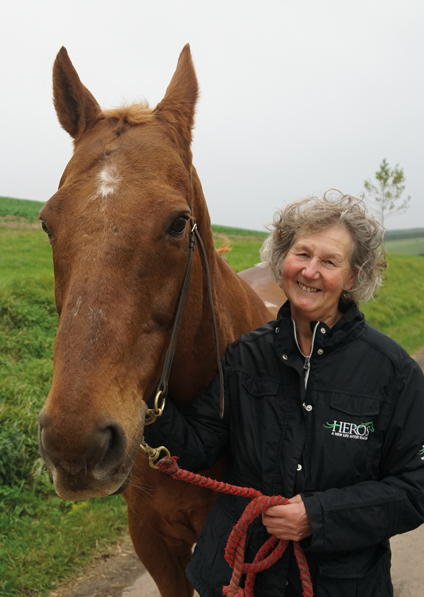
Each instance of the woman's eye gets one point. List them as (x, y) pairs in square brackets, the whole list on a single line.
[(178, 226)]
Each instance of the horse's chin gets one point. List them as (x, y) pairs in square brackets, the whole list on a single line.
[(123, 486), (73, 488)]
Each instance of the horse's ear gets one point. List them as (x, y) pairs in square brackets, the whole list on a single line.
[(76, 108), (176, 110)]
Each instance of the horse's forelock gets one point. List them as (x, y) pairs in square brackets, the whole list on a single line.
[(133, 114)]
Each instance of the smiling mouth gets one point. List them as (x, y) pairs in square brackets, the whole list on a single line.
[(307, 288)]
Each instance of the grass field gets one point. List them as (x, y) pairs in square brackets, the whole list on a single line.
[(398, 307), (243, 252), (43, 539)]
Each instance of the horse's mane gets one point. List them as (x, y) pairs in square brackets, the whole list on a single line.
[(224, 248), (133, 114)]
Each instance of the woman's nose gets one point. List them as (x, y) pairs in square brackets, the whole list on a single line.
[(310, 271)]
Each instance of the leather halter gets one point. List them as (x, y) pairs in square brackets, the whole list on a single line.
[(162, 389)]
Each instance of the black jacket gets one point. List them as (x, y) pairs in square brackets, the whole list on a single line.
[(351, 443)]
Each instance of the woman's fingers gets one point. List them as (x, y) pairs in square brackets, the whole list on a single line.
[(289, 522)]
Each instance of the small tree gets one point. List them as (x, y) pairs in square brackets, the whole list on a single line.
[(388, 191)]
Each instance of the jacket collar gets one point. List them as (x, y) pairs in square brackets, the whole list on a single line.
[(348, 328)]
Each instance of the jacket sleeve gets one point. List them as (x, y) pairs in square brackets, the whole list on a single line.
[(196, 434), (373, 511)]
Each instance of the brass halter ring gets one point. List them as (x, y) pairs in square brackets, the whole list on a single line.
[(153, 413), (153, 453)]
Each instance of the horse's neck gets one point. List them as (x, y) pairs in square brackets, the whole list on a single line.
[(237, 309)]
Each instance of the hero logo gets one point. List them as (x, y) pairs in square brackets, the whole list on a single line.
[(351, 430), (421, 452)]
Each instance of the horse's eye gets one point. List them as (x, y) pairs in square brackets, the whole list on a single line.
[(46, 230), (178, 226)]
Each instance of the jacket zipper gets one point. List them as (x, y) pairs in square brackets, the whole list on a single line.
[(307, 362)]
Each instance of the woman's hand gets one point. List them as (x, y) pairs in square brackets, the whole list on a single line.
[(289, 522)]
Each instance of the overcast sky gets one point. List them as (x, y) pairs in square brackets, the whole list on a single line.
[(296, 96)]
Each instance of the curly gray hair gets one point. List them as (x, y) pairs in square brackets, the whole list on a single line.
[(313, 214)]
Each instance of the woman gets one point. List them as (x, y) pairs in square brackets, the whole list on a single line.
[(320, 408)]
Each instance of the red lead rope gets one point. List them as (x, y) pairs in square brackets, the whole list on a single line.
[(268, 554)]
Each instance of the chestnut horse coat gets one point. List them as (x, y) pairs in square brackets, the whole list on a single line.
[(119, 228)]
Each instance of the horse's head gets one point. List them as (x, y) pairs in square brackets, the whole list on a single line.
[(118, 226)]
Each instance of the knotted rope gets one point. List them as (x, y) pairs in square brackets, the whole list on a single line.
[(270, 551)]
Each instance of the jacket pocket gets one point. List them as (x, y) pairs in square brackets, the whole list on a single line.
[(354, 416), (346, 439), (260, 387), (365, 406), (344, 575)]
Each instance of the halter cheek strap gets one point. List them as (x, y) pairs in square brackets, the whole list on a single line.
[(215, 326), (162, 389)]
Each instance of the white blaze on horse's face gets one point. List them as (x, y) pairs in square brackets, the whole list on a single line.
[(118, 228), (109, 179)]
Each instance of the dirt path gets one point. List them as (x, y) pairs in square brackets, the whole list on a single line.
[(119, 573), (108, 575)]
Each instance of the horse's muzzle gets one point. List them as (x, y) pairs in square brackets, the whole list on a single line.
[(93, 462)]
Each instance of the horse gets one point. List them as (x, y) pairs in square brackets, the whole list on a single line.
[(262, 281), (120, 225)]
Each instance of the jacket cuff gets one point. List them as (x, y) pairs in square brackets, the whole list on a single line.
[(316, 519)]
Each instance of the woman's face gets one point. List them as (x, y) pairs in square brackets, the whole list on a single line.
[(315, 271)]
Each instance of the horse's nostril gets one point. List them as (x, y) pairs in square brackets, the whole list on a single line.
[(115, 448)]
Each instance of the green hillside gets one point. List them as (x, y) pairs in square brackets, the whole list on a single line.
[(21, 208), (404, 234), (406, 246), (231, 231), (408, 242)]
